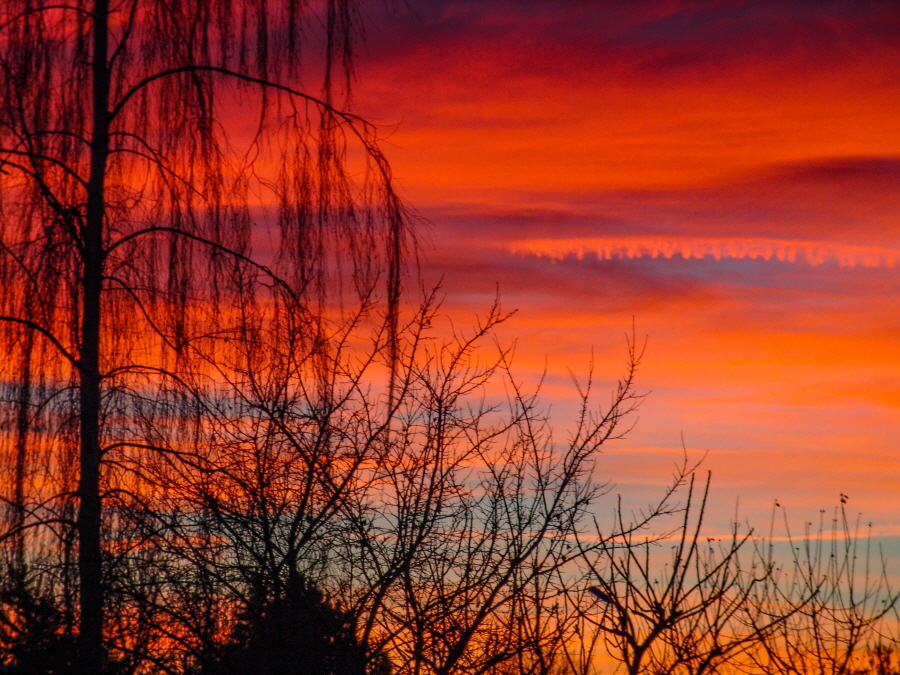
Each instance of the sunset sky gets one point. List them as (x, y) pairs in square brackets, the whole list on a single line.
[(724, 172)]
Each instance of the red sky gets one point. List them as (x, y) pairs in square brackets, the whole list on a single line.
[(535, 134)]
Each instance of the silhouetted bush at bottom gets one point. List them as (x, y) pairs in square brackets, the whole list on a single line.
[(34, 638), (880, 660), (297, 632)]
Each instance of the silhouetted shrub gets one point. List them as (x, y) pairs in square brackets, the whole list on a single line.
[(880, 661), (35, 638), (293, 632)]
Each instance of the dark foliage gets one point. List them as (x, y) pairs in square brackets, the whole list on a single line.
[(35, 637), (881, 660), (295, 632)]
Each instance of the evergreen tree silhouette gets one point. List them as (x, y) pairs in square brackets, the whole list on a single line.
[(296, 631)]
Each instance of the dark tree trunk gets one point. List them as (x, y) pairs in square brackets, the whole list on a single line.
[(17, 571), (90, 638)]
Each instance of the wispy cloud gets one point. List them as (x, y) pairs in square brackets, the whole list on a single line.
[(735, 129), (719, 248)]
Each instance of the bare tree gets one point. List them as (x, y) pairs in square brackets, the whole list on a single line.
[(444, 517), (135, 138), (472, 538), (678, 602), (841, 607), (682, 602)]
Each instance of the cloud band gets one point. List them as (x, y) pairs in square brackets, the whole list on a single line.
[(784, 250)]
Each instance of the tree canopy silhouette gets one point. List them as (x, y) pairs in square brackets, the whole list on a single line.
[(296, 632), (140, 142)]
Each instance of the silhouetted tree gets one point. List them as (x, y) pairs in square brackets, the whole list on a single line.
[(135, 139), (296, 632), (879, 660), (678, 602), (36, 638), (684, 603), (443, 517), (840, 607)]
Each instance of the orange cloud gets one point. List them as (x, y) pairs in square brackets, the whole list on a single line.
[(663, 137), (784, 250)]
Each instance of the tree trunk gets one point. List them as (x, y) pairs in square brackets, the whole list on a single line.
[(90, 637), (17, 571)]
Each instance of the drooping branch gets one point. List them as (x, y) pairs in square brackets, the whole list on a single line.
[(31, 325)]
